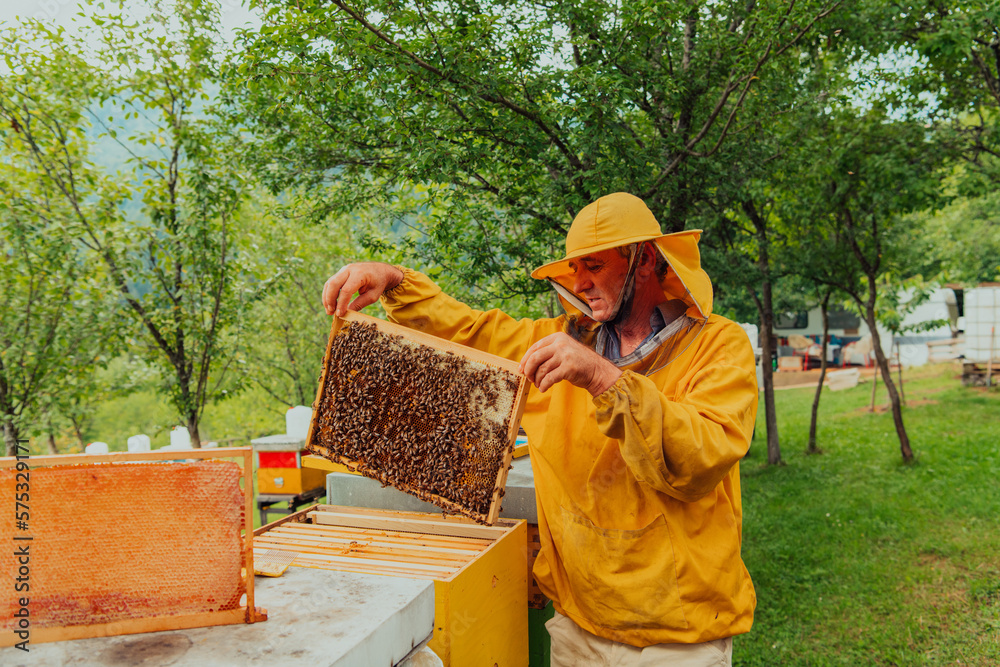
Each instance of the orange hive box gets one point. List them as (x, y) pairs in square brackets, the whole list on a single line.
[(129, 542), (432, 418)]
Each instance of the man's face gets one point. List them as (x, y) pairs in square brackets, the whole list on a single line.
[(599, 279)]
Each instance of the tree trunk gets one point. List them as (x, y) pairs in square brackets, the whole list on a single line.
[(767, 373), (10, 437), (765, 307), (811, 448), (871, 269), (52, 439), (874, 389), (899, 370), (78, 429), (192, 427), (890, 386)]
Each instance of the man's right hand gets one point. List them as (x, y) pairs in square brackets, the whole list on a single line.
[(368, 279)]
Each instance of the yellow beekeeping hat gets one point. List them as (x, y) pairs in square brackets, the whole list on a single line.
[(620, 219)]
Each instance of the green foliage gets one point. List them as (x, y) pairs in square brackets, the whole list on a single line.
[(163, 230), (957, 79), (56, 325), (967, 236), (509, 117), (287, 328), (868, 171), (132, 405)]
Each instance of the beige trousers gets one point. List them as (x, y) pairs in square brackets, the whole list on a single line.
[(572, 646)]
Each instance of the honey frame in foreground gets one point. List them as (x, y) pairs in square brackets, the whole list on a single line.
[(415, 485), (165, 541)]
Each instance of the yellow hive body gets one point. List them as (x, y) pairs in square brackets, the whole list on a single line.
[(289, 480), (426, 416), (118, 547), (479, 572)]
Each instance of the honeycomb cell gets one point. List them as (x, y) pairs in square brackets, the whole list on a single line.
[(427, 421), (119, 541)]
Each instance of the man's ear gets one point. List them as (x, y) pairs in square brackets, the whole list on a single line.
[(647, 260)]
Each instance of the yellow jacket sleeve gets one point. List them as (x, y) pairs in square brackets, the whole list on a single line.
[(684, 439), (417, 302)]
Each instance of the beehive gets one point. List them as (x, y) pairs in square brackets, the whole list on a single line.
[(115, 546), (429, 417), (479, 572), (281, 472)]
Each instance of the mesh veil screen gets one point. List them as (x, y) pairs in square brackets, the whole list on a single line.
[(118, 541), (424, 420)]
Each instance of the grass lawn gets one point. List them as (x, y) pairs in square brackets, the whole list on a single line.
[(859, 559)]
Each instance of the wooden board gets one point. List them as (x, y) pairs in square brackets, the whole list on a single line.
[(320, 463), (426, 526), (414, 486)]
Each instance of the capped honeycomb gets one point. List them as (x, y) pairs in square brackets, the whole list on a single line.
[(115, 542), (428, 417)]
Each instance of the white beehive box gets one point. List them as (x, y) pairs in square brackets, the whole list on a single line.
[(982, 321)]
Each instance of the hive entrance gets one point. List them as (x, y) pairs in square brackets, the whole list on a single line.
[(428, 417)]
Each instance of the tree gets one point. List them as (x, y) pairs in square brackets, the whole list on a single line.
[(938, 60), (55, 323), (755, 257), (960, 44), (53, 311), (967, 234), (286, 364), (870, 171), (751, 250), (162, 230), (512, 117), (824, 305)]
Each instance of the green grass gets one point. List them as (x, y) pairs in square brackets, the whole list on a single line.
[(859, 559)]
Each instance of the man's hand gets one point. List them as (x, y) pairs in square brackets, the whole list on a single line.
[(368, 279), (559, 357)]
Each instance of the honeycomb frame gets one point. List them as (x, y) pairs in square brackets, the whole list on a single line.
[(97, 598), (449, 420)]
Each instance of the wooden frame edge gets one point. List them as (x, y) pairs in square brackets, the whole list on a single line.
[(434, 341), (134, 626), (128, 457), (301, 516), (313, 423), (500, 485)]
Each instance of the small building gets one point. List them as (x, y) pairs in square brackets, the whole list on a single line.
[(967, 325)]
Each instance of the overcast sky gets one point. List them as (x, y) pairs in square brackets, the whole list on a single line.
[(234, 13)]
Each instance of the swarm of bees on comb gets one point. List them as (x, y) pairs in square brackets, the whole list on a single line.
[(428, 421)]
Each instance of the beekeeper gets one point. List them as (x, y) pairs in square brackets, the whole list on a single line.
[(643, 405)]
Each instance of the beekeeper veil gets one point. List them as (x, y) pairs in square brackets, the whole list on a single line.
[(624, 221)]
